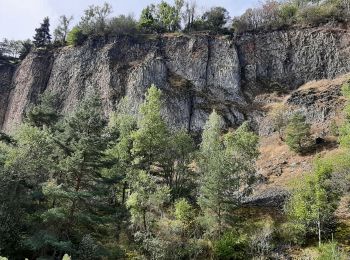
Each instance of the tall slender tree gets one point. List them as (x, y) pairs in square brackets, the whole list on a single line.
[(42, 35)]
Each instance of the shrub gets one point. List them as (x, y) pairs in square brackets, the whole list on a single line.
[(298, 133), (330, 251), (287, 13), (317, 14), (76, 36), (122, 25), (292, 233), (231, 246), (261, 240)]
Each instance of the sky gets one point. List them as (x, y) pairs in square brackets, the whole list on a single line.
[(19, 18)]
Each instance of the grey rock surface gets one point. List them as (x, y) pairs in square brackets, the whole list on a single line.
[(196, 73), (289, 58), (6, 74)]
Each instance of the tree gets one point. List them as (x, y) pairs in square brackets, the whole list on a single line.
[(298, 133), (225, 181), (62, 29), (26, 165), (45, 113), (77, 194), (123, 25), (12, 48), (95, 19), (26, 48), (179, 177), (146, 201), (161, 17), (42, 35), (216, 18), (279, 119), (147, 19), (150, 139), (313, 201), (189, 14), (169, 16)]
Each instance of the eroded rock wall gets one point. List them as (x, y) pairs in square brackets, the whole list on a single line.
[(6, 74), (196, 73)]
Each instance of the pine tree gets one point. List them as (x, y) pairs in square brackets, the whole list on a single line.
[(151, 138), (298, 133), (42, 36), (45, 113), (77, 194), (226, 177)]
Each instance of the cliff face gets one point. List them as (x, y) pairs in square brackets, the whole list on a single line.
[(6, 73), (195, 73)]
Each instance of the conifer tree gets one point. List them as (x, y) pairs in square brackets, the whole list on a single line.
[(224, 180), (150, 140), (298, 133), (42, 35)]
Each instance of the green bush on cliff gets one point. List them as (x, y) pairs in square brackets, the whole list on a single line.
[(76, 36)]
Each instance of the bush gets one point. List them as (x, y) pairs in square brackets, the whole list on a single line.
[(315, 15), (287, 13), (292, 233), (261, 240), (298, 133), (123, 25), (231, 246), (76, 36), (329, 251)]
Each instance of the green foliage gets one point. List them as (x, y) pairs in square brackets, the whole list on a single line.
[(42, 37), (184, 212), (279, 119), (45, 113), (313, 200), (298, 133), (293, 233), (318, 14), (146, 201), (280, 14), (216, 18), (75, 36), (66, 257), (123, 25), (288, 13), (95, 19), (331, 251), (161, 18), (224, 181), (79, 186), (261, 238), (12, 49), (231, 246), (151, 137), (344, 130), (61, 31)]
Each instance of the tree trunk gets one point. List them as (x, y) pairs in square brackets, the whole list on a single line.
[(144, 220), (124, 192), (319, 230)]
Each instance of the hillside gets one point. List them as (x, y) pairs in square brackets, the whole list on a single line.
[(243, 78)]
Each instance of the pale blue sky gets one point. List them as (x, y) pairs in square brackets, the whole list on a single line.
[(19, 18)]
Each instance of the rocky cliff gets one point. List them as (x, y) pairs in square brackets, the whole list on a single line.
[(196, 73)]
